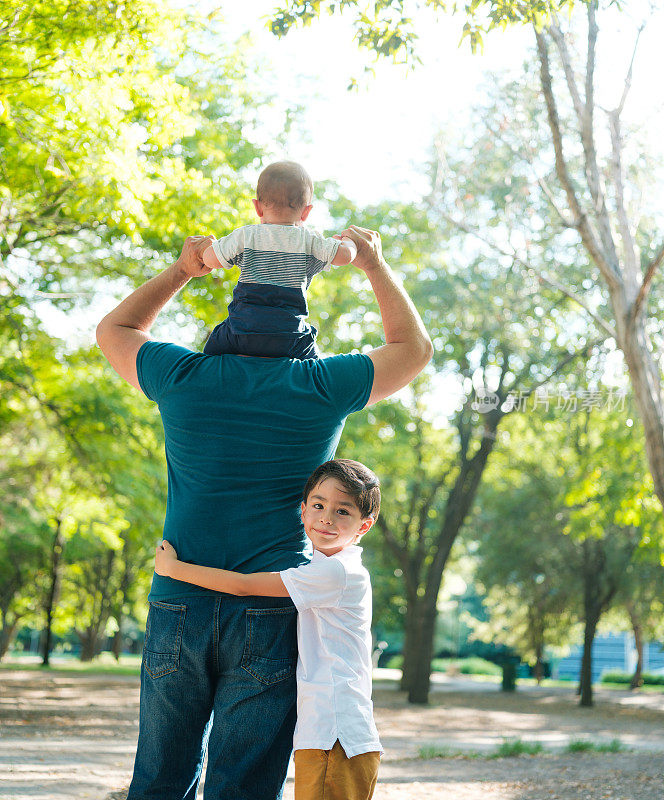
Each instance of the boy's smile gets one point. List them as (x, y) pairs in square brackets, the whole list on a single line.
[(331, 518)]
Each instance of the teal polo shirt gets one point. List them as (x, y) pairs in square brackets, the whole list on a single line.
[(242, 435)]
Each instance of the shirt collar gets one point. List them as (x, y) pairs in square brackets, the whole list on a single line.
[(350, 553)]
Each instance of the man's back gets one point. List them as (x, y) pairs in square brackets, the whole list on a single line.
[(242, 435)]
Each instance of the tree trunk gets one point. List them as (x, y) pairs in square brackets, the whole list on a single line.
[(125, 583), (88, 644), (645, 379), (7, 634), (92, 636), (51, 602), (410, 644), (627, 282), (420, 669), (586, 676), (116, 646), (637, 677), (539, 666)]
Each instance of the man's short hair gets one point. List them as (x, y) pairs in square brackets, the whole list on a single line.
[(285, 184), (359, 481)]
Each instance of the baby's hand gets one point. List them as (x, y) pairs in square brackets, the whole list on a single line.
[(164, 557)]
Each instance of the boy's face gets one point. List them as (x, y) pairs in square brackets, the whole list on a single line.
[(331, 517)]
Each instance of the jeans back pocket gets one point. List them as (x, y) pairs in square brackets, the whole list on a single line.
[(270, 649), (163, 638)]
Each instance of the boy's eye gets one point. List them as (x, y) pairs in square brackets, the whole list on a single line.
[(343, 511), (318, 505)]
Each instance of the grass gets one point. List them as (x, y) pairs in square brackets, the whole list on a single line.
[(105, 664), (513, 748), (584, 746)]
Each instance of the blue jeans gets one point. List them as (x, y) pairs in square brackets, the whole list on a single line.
[(218, 672), (265, 320)]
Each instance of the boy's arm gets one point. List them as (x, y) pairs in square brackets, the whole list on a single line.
[(263, 584), (346, 252)]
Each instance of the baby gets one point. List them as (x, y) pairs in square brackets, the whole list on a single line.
[(277, 260), (337, 749)]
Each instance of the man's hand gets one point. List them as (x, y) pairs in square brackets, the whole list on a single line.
[(369, 248), (164, 558), (190, 260), (407, 348), (123, 331)]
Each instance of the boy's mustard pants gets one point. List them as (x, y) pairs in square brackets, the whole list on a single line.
[(331, 775)]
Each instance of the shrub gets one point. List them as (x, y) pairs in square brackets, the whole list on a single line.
[(626, 678)]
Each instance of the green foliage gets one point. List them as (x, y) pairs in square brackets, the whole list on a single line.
[(385, 28), (119, 136)]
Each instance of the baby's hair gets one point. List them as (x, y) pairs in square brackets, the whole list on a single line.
[(360, 482), (285, 184)]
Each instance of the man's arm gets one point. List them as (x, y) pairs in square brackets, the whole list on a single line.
[(263, 584), (124, 330), (407, 349)]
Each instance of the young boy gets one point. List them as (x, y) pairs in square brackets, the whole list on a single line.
[(277, 260), (337, 749)]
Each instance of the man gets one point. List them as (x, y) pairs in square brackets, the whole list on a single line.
[(242, 435)]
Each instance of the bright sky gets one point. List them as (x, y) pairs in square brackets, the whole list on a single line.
[(374, 142)]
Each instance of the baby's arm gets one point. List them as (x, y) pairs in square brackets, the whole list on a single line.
[(264, 584), (210, 259), (345, 254), (221, 254)]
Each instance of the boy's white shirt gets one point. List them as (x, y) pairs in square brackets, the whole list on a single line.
[(333, 597), (282, 255)]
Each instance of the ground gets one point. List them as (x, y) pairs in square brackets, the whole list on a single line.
[(67, 736)]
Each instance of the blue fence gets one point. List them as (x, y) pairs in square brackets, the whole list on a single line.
[(611, 652)]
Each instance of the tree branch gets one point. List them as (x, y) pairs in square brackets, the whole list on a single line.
[(581, 222), (603, 324), (628, 78), (561, 44), (568, 358), (629, 250), (645, 284)]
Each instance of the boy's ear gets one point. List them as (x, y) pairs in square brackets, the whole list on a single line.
[(365, 526), (302, 507), (258, 207), (305, 212)]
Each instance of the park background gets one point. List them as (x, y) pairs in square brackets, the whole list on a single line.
[(513, 164)]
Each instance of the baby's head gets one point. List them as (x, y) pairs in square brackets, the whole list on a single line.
[(341, 501), (284, 194)]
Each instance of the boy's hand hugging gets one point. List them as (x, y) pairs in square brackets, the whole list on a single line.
[(164, 558)]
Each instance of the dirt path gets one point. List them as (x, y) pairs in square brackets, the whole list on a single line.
[(67, 737)]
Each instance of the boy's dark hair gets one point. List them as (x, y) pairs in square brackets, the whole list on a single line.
[(360, 482), (285, 184)]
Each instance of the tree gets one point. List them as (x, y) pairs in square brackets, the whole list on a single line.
[(522, 553), (592, 192), (570, 536), (432, 475), (94, 195), (641, 601)]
